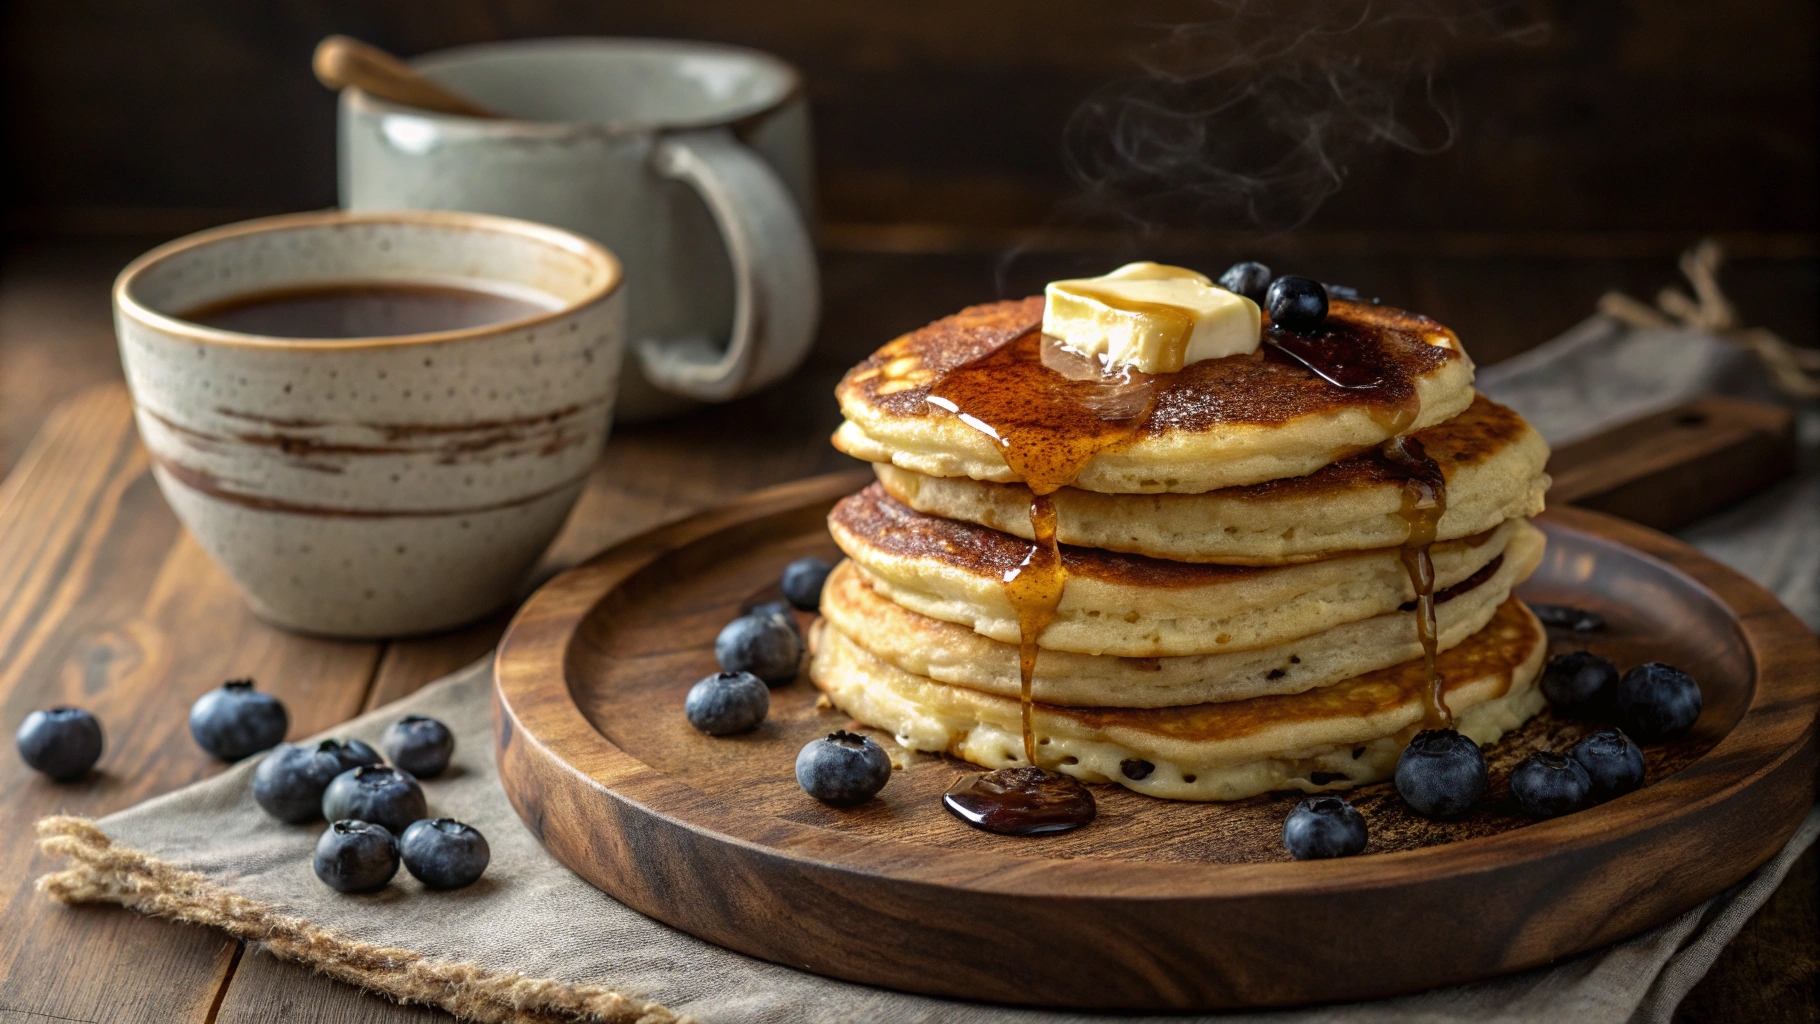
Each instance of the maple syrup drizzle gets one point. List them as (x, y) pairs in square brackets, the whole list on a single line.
[(1345, 359), (1424, 502), (1050, 411)]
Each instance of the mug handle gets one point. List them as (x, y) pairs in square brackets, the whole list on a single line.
[(777, 293)]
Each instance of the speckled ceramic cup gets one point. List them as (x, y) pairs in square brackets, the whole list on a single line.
[(382, 486)]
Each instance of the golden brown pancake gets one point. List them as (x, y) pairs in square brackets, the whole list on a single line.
[(1492, 461), (1216, 423), (951, 653), (1335, 737), (1131, 605)]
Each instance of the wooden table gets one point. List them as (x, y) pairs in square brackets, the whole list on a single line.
[(106, 602)]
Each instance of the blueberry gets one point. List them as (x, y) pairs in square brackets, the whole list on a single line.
[(1612, 762), (1296, 303), (63, 743), (781, 611), (290, 780), (442, 853), (419, 744), (1579, 685), (356, 856), (1548, 784), (1249, 279), (727, 702), (842, 768), (1656, 702), (1345, 293), (761, 645), (802, 582), (1323, 826), (1441, 773), (377, 793), (234, 720)]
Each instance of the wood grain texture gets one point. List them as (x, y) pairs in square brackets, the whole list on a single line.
[(101, 609), (595, 758), (56, 339), (105, 602), (267, 990), (1679, 465)]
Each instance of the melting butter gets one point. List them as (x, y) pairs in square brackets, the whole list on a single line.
[(1151, 318)]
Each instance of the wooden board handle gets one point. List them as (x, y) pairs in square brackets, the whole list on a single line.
[(342, 61), (1673, 467)]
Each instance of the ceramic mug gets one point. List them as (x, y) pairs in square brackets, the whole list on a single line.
[(374, 486), (689, 160)]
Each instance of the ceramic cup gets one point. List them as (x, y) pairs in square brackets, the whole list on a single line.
[(689, 160), (382, 486)]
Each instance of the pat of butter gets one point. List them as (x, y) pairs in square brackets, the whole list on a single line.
[(1150, 317)]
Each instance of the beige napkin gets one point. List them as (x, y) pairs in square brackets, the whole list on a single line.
[(532, 942)]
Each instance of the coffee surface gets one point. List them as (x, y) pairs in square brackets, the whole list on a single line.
[(361, 310)]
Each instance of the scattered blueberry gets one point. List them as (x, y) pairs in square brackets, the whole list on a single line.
[(1296, 303), (1579, 685), (802, 582), (63, 743), (1656, 702), (1441, 773), (442, 853), (1547, 785), (761, 645), (379, 793), (1321, 827), (1562, 616), (419, 744), (356, 856), (234, 720), (781, 611), (290, 780), (1344, 293), (1612, 762), (1249, 279), (842, 768), (728, 702)]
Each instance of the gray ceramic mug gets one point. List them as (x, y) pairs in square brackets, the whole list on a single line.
[(690, 161)]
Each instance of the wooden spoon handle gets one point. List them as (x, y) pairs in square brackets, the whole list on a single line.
[(342, 61)]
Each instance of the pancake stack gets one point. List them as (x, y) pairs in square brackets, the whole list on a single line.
[(1200, 585)]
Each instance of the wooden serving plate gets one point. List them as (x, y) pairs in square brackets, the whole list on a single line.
[(1156, 905)]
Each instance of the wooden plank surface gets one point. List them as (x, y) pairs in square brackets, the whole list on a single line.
[(1677, 466), (108, 603)]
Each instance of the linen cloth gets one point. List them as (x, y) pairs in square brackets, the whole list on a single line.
[(531, 917)]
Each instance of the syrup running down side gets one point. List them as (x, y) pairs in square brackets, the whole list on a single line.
[(1424, 502), (1342, 359), (1051, 411)]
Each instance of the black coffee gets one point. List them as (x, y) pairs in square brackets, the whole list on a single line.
[(361, 311)]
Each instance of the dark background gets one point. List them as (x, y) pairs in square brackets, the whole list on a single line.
[(1586, 156), (1654, 118)]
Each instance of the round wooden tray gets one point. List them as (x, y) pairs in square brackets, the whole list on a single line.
[(1156, 905)]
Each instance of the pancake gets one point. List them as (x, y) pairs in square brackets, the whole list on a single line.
[(1216, 423), (950, 653), (1335, 737), (1491, 458), (1130, 605)]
